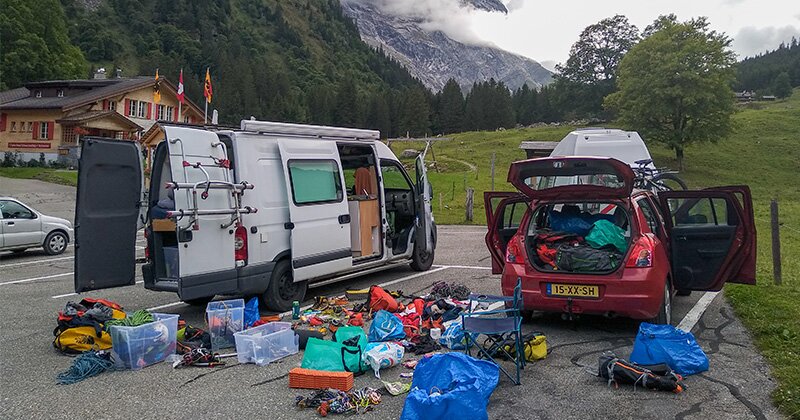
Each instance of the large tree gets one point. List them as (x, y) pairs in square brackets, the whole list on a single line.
[(35, 45), (782, 86), (450, 108), (675, 85)]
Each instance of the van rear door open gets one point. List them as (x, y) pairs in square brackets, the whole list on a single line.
[(319, 215), (108, 205), (204, 246)]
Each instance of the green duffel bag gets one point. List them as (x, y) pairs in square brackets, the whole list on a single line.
[(343, 355)]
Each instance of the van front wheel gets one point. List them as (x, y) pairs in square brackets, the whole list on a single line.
[(282, 289), (421, 261)]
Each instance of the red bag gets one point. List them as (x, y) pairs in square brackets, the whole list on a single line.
[(547, 254), (380, 299)]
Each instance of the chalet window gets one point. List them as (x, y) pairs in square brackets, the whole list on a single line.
[(60, 93), (170, 113), (30, 126), (68, 134), (43, 130), (132, 108), (112, 105), (142, 109), (160, 115), (38, 93), (13, 126)]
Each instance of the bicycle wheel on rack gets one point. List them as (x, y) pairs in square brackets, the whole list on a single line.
[(669, 182)]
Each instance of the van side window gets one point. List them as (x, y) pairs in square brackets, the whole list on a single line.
[(315, 181), (649, 215), (393, 177)]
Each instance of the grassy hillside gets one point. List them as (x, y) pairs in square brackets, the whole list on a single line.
[(764, 153)]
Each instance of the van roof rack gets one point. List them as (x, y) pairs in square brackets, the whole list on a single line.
[(320, 131)]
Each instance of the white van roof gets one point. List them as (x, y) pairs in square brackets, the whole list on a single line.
[(626, 146), (321, 131)]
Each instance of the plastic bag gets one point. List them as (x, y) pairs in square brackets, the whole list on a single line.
[(383, 355), (666, 344), (453, 337), (606, 233), (385, 327), (451, 385), (333, 356), (251, 313)]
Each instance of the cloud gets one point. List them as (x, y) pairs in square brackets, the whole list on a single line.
[(751, 40), (549, 64), (732, 2), (513, 5), (448, 16)]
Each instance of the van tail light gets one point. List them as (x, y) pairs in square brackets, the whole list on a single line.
[(641, 253), (146, 246), (240, 245), (514, 251)]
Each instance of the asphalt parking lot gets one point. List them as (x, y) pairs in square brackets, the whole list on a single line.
[(34, 287)]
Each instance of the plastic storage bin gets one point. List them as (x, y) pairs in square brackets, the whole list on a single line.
[(266, 343), (171, 261), (144, 345), (224, 318)]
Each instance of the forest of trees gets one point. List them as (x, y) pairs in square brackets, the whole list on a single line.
[(303, 61)]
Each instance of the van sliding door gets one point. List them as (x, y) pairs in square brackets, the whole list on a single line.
[(319, 215)]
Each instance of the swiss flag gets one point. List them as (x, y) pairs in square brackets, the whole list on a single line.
[(180, 88)]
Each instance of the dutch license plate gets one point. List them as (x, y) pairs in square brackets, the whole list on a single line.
[(572, 290)]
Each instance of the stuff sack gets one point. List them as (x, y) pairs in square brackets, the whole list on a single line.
[(618, 371), (381, 300), (383, 355), (666, 344), (453, 337), (251, 313), (605, 233), (80, 339), (451, 385), (385, 327), (568, 221), (583, 258)]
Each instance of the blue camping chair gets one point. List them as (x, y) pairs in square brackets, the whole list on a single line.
[(501, 326)]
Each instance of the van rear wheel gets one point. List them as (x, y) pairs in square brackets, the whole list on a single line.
[(282, 289)]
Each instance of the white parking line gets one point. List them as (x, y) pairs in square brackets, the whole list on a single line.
[(35, 261), (467, 267), (168, 305), (688, 322), (36, 278)]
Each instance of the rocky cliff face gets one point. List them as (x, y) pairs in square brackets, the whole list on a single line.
[(434, 57)]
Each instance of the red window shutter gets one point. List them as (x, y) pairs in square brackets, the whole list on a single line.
[(149, 110), (127, 110), (51, 125), (3, 119), (35, 134), (105, 104), (176, 115)]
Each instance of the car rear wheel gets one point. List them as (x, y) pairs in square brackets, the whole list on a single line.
[(665, 312), (55, 243), (282, 289)]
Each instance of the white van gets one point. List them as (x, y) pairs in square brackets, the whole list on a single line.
[(265, 210)]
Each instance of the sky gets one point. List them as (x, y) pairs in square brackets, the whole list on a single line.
[(545, 30)]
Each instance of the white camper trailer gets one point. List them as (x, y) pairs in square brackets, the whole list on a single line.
[(264, 210)]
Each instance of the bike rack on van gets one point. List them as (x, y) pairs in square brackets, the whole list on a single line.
[(237, 190)]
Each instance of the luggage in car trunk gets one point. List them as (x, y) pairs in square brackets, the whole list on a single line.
[(584, 258)]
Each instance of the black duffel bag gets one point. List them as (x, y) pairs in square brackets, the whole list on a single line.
[(585, 259)]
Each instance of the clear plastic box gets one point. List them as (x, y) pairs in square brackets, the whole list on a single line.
[(144, 345), (224, 318), (266, 343)]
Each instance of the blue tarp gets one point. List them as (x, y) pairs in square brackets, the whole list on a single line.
[(451, 386), (666, 344)]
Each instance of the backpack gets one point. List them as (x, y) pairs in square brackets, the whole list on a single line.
[(380, 299), (78, 331), (586, 259)]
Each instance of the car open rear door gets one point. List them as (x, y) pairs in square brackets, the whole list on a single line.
[(318, 210), (504, 211), (712, 237), (424, 229), (107, 208)]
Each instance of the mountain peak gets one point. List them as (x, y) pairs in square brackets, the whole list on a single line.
[(488, 5)]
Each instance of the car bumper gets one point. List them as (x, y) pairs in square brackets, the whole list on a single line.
[(637, 295)]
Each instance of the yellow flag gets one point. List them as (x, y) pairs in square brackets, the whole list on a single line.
[(207, 90), (157, 89)]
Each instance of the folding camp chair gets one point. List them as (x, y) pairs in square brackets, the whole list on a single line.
[(501, 326)]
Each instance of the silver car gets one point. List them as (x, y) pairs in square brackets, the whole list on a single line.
[(22, 227)]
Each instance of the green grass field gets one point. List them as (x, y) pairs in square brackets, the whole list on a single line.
[(56, 176), (764, 153)]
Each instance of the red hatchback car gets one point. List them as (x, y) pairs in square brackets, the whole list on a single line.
[(583, 241)]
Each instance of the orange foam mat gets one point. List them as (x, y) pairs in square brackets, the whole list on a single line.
[(320, 379)]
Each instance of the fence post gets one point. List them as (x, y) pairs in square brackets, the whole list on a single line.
[(776, 242), (493, 156), (441, 195), (470, 193)]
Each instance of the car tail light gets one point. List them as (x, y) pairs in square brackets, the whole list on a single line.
[(514, 251), (641, 253), (240, 245), (146, 246)]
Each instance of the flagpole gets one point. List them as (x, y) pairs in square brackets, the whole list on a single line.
[(205, 118)]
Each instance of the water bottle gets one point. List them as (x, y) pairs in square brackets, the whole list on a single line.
[(295, 310)]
